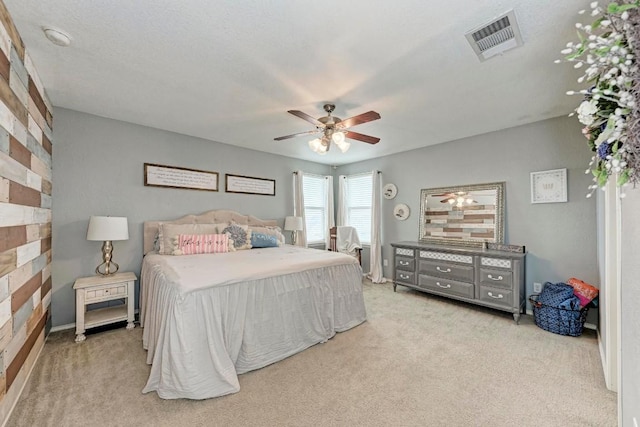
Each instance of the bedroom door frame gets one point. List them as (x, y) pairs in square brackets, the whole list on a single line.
[(611, 289)]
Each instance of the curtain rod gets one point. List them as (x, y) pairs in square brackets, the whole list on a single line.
[(362, 173), (296, 172)]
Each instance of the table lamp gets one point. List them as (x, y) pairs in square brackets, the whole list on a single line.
[(107, 229), (293, 224)]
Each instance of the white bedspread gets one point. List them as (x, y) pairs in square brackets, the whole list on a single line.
[(208, 318)]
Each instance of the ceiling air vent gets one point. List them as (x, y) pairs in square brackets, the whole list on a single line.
[(495, 37)]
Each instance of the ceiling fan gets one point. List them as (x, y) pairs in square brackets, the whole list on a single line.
[(334, 129)]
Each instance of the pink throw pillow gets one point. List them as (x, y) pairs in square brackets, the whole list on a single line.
[(584, 291), (191, 244)]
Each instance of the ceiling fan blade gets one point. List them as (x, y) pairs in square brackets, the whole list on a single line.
[(360, 137), (369, 116), (280, 138), (305, 116)]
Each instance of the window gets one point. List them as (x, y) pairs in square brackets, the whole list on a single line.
[(359, 196), (314, 188)]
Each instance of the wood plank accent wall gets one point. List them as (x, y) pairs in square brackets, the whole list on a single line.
[(25, 213)]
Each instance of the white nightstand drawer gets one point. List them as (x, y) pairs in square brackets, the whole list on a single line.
[(106, 293)]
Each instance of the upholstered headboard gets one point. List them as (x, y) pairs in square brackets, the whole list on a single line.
[(209, 217)]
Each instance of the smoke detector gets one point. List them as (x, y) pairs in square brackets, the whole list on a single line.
[(495, 37), (56, 36)]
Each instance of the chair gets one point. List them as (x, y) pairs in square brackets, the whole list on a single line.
[(333, 244)]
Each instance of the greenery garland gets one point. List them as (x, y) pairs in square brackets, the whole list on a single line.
[(609, 111)]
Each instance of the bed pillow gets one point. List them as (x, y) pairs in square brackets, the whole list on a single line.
[(270, 231), (167, 233), (261, 240), (156, 243), (584, 291), (192, 244), (240, 234)]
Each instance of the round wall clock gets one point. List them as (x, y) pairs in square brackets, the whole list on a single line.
[(401, 212), (389, 191)]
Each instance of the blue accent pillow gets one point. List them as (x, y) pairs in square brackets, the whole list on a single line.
[(261, 240)]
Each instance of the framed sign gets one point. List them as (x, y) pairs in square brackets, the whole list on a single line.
[(177, 177), (249, 185), (549, 186)]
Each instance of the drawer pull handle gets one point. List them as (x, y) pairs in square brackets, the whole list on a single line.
[(447, 286), (404, 262), (448, 270), (500, 296), (404, 276), (494, 278)]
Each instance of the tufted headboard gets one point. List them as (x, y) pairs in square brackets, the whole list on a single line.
[(209, 217)]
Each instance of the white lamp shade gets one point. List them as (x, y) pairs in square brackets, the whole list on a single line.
[(338, 137), (343, 145), (108, 228), (293, 223)]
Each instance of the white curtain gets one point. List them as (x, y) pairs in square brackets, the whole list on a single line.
[(342, 201), (298, 206), (330, 216), (375, 258)]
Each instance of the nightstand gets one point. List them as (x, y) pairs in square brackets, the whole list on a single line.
[(94, 289)]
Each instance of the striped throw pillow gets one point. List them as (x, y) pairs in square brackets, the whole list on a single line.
[(191, 244)]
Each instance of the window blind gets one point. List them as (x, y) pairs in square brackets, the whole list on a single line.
[(315, 207), (359, 197)]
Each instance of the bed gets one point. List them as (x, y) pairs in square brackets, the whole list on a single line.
[(207, 318)]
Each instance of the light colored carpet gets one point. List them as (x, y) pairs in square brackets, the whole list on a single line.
[(419, 360)]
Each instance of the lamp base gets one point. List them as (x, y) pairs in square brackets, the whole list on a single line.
[(108, 267), (294, 237)]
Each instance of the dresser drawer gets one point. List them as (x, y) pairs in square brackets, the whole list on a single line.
[(104, 293), (497, 296), (498, 278), (405, 263), (447, 270), (408, 277), (405, 252), (445, 286)]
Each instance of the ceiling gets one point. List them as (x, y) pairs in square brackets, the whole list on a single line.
[(228, 71)]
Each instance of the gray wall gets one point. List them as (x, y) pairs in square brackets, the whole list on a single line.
[(629, 312), (98, 170), (560, 237)]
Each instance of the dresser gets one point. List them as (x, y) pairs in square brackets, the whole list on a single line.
[(484, 277)]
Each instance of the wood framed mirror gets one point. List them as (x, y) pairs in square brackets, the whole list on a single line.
[(467, 215)]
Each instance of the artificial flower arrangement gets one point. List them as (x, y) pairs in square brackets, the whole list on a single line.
[(609, 111)]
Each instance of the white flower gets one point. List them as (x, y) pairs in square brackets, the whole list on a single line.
[(586, 112)]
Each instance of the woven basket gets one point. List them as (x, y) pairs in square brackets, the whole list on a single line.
[(558, 320)]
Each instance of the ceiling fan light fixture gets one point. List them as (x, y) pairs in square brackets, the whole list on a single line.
[(334, 130), (338, 137), (319, 146), (343, 146), (314, 144)]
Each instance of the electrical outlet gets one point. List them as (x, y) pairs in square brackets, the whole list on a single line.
[(537, 287), (385, 262)]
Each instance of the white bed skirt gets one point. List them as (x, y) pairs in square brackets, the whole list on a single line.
[(199, 341)]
